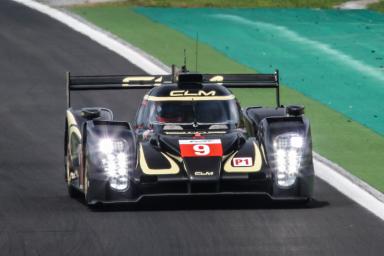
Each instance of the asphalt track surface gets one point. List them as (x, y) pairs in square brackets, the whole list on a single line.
[(38, 218)]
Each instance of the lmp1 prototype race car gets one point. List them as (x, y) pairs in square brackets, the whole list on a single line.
[(189, 138)]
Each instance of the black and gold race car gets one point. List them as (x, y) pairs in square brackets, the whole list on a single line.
[(189, 138)]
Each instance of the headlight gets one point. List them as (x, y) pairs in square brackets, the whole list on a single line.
[(114, 159), (108, 146), (288, 152)]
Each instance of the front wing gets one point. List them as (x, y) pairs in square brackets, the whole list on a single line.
[(100, 192)]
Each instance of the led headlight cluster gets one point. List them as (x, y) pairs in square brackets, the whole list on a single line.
[(114, 160), (288, 152)]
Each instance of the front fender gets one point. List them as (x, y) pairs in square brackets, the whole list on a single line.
[(98, 177), (247, 159), (272, 127)]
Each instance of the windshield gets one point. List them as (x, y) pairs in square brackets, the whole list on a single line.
[(201, 112)]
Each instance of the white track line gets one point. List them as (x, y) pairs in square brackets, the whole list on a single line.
[(348, 188), (323, 169)]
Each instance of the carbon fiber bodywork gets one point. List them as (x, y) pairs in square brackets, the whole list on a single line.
[(158, 159)]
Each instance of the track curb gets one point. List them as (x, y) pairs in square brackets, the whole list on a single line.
[(346, 174)]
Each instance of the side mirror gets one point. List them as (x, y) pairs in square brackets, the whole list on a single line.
[(90, 114), (295, 110)]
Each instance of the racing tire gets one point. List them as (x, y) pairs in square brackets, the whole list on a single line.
[(72, 191), (87, 182)]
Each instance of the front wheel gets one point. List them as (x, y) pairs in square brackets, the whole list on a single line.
[(89, 199), (72, 191)]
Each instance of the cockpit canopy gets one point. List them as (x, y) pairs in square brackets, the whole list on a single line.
[(197, 112)]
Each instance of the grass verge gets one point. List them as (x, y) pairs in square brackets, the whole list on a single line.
[(343, 141), (377, 6)]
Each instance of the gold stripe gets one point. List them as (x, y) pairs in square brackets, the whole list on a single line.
[(72, 125), (75, 130), (129, 81), (71, 119), (144, 85), (197, 98), (178, 158), (217, 79), (174, 169), (254, 168)]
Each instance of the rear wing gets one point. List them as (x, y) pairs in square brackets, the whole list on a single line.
[(113, 82), (121, 82), (260, 81)]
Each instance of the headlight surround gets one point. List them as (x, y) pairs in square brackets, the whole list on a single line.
[(115, 161), (288, 153)]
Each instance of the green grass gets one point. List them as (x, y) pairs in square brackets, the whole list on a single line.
[(377, 6), (343, 141), (228, 3)]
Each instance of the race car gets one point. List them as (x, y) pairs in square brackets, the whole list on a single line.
[(190, 137)]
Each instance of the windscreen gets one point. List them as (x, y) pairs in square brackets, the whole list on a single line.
[(202, 112)]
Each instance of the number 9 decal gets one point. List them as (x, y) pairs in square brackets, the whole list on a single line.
[(201, 150)]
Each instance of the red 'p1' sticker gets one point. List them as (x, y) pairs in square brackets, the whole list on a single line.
[(200, 148), (242, 161)]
